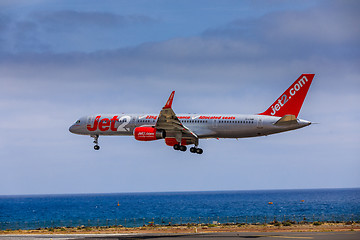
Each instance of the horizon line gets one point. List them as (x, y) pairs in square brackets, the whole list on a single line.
[(164, 192)]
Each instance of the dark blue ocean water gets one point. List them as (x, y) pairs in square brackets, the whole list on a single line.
[(140, 208)]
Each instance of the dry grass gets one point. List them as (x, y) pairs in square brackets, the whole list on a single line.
[(325, 227)]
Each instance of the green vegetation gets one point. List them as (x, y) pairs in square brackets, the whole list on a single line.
[(287, 223), (211, 225)]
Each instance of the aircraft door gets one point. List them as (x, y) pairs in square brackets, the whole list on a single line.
[(215, 123), (89, 120), (132, 121), (259, 123)]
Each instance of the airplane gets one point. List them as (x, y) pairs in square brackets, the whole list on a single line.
[(179, 130)]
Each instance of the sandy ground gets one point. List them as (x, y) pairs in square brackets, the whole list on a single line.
[(326, 227)]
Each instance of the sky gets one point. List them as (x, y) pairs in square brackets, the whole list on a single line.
[(60, 60)]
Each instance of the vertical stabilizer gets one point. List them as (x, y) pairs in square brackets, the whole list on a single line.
[(290, 102)]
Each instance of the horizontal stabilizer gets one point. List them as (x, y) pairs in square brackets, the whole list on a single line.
[(287, 120)]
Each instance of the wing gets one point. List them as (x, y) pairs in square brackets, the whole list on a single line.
[(174, 129)]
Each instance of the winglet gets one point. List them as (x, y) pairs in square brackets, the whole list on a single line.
[(169, 101)]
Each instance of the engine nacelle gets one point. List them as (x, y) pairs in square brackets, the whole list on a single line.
[(148, 134)]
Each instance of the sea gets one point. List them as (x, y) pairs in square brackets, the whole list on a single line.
[(170, 208)]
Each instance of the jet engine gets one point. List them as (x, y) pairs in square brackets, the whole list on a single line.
[(148, 134)]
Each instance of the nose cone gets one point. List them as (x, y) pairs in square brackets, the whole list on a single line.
[(76, 129), (72, 129)]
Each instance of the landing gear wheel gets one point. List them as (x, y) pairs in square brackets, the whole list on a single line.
[(96, 141), (176, 147), (199, 151), (183, 148), (193, 149)]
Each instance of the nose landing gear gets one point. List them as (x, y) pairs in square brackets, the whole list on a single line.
[(96, 141)]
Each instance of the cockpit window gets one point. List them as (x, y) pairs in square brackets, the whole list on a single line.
[(78, 121)]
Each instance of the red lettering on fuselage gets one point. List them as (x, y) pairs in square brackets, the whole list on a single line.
[(228, 118), (210, 117), (95, 126), (112, 126), (103, 125)]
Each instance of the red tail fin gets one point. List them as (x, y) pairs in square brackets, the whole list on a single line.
[(290, 102)]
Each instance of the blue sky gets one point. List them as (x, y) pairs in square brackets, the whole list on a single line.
[(60, 60)]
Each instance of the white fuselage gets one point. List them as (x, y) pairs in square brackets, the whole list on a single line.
[(203, 125), (180, 130)]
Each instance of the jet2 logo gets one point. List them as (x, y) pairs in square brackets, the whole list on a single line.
[(292, 91), (106, 124), (281, 101)]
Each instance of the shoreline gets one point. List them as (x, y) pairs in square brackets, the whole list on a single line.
[(193, 228)]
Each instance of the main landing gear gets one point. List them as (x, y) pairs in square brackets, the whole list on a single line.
[(192, 149), (180, 147), (96, 141), (196, 150)]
